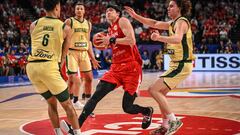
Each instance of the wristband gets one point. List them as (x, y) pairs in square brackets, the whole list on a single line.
[(112, 40)]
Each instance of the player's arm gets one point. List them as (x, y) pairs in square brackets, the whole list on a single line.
[(90, 50), (181, 28), (32, 26), (150, 22), (67, 34), (68, 22), (127, 30)]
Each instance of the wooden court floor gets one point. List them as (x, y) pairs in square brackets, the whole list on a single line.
[(211, 94)]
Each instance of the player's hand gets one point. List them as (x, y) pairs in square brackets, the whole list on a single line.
[(130, 11), (155, 35), (104, 40), (96, 64)]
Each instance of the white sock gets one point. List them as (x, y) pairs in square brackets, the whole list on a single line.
[(165, 123), (171, 117), (58, 131), (77, 132)]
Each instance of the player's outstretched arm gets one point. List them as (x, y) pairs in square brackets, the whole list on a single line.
[(181, 28), (150, 22)]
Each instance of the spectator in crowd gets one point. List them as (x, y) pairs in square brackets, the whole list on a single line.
[(146, 60), (237, 50), (221, 47), (159, 60), (22, 62), (203, 48), (2, 66)]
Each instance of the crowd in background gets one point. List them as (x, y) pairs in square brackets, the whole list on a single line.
[(215, 26)]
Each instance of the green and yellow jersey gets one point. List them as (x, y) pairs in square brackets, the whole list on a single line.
[(46, 40), (80, 40), (184, 50)]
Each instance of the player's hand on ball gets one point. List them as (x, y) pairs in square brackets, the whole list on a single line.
[(104, 40)]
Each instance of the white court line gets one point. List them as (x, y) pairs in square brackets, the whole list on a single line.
[(23, 131), (27, 133)]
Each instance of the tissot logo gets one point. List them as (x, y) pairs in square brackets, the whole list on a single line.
[(213, 62), (220, 62), (125, 124)]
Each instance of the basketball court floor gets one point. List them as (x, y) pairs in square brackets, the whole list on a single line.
[(207, 102)]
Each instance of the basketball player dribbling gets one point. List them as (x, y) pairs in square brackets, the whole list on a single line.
[(125, 69)]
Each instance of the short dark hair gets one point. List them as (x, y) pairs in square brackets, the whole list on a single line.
[(78, 3), (49, 5), (185, 6), (116, 7)]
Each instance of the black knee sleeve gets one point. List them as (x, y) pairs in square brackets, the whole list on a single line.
[(103, 88), (129, 107)]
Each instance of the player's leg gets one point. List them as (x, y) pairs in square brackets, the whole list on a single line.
[(169, 80), (158, 91), (74, 79), (102, 89), (52, 112), (131, 80), (86, 79), (36, 74), (58, 87), (76, 91), (131, 108), (86, 75), (64, 100)]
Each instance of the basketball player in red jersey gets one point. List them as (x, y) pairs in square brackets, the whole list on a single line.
[(125, 69)]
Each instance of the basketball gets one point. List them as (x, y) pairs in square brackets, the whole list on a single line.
[(96, 43)]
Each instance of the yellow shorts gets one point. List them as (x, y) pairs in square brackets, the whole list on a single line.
[(45, 76), (177, 72), (78, 59)]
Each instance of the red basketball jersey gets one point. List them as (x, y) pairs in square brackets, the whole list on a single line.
[(122, 53)]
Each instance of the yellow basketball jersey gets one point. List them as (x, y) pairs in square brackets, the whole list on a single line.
[(47, 40), (80, 34), (184, 50)]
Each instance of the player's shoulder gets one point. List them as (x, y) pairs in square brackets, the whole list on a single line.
[(123, 19), (68, 21)]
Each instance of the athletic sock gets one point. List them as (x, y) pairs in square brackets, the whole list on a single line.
[(75, 99), (165, 123), (77, 132), (71, 96), (58, 131), (83, 96), (171, 117)]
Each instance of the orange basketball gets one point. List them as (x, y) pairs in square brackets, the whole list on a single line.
[(96, 43)]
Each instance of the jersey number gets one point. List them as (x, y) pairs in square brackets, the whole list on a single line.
[(45, 40)]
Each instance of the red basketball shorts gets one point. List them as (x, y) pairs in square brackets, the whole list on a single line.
[(128, 75)]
